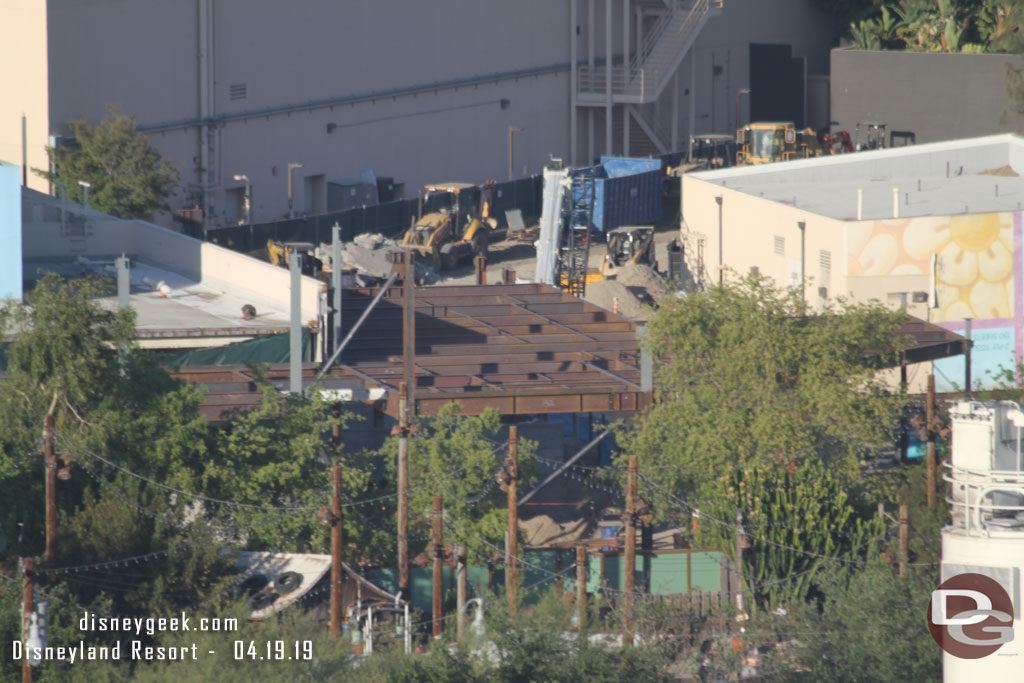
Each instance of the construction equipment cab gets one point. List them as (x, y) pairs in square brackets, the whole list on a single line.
[(763, 143), (628, 245), (458, 232)]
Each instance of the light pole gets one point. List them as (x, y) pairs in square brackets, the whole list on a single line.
[(512, 130), (803, 267), (721, 250), (291, 171), (739, 93), (248, 196), (85, 192)]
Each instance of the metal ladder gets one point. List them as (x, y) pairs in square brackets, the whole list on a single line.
[(577, 227)]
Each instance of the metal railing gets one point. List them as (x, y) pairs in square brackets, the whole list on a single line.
[(594, 79), (984, 501), (643, 77)]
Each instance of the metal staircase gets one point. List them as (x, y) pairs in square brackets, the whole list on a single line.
[(649, 70), (577, 224)]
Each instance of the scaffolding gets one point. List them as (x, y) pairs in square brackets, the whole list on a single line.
[(577, 218)]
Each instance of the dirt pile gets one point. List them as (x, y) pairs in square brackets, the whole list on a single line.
[(543, 529), (633, 302), (641, 275)]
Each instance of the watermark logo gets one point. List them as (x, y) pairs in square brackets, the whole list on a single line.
[(970, 616)]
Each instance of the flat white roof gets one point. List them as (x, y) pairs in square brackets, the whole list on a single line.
[(975, 175), (190, 309)]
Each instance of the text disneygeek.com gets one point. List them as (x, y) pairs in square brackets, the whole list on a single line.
[(141, 650)]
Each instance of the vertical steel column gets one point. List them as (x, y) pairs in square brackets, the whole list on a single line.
[(967, 356), (581, 587), (295, 329), (403, 491), (904, 538), (692, 101), (512, 547), (930, 452), (336, 283), (738, 564), (336, 544), (629, 583), (460, 587), (50, 463), (438, 542)]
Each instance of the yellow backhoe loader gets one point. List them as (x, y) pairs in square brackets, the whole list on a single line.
[(446, 238)]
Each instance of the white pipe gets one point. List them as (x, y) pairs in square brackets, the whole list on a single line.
[(408, 631), (860, 204), (369, 631), (204, 104), (625, 37), (608, 76), (895, 202), (573, 79)]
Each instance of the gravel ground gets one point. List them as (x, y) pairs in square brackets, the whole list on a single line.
[(522, 258)]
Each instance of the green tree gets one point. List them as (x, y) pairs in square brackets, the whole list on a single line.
[(799, 523), (128, 177), (869, 626), (458, 457), (746, 380), (64, 361), (273, 464)]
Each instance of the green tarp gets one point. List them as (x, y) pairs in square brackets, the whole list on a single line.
[(272, 349)]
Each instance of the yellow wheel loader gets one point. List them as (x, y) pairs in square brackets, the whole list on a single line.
[(763, 143)]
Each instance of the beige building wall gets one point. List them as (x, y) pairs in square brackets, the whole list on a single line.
[(751, 229), (764, 234), (23, 82)]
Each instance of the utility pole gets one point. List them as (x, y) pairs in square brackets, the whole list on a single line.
[(460, 590), (50, 465), (336, 540), (26, 615), (438, 555), (630, 570), (403, 491), (930, 431), (511, 547), (581, 586), (406, 411), (738, 565), (904, 538)]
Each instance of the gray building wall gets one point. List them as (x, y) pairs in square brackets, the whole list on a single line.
[(144, 55), (936, 96)]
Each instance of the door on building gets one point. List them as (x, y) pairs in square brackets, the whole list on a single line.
[(316, 194)]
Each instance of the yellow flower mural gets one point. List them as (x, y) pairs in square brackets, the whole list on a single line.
[(974, 259)]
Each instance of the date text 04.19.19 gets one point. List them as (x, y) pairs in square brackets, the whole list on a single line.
[(277, 650)]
